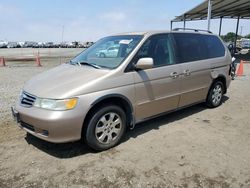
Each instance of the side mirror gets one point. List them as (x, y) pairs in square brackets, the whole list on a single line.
[(144, 63)]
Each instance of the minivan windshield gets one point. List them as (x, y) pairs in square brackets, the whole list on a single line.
[(108, 52)]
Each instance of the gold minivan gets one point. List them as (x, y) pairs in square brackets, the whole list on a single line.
[(97, 96)]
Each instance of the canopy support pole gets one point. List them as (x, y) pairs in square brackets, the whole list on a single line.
[(209, 10), (220, 26), (236, 33), (184, 22), (171, 25)]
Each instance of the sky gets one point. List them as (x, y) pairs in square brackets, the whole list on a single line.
[(89, 20)]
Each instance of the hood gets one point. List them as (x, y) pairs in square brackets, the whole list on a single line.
[(63, 81)]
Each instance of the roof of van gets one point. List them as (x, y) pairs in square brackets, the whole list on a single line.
[(166, 31), (162, 31)]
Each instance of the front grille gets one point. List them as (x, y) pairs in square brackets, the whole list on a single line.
[(27, 100), (34, 129), (27, 126)]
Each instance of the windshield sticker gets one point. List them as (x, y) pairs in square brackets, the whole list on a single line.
[(125, 41)]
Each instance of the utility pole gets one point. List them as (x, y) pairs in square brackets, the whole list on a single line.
[(62, 44), (236, 33), (62, 32), (241, 28)]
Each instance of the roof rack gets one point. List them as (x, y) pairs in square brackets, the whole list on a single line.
[(189, 29)]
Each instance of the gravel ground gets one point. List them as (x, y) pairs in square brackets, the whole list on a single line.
[(194, 147), (14, 75)]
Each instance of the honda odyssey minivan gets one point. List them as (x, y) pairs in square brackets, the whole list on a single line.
[(96, 98)]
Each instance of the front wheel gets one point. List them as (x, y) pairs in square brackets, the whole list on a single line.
[(215, 95), (106, 127)]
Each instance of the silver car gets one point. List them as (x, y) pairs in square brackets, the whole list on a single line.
[(111, 51), (96, 99)]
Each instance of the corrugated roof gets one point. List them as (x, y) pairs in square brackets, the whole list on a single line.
[(220, 8)]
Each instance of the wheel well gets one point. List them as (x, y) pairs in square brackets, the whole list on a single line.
[(223, 80), (119, 101)]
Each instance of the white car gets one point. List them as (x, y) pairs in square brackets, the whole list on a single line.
[(109, 52)]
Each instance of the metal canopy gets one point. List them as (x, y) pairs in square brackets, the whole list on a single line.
[(220, 9)]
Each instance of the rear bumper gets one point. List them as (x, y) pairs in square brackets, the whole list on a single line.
[(52, 126)]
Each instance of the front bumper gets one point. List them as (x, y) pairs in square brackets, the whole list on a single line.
[(52, 126), (15, 115)]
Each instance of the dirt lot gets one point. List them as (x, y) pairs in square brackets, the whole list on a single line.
[(195, 147)]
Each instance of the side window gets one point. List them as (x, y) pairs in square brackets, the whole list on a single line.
[(144, 50), (159, 48), (189, 47), (214, 46)]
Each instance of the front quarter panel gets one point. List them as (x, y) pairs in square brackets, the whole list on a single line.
[(66, 126)]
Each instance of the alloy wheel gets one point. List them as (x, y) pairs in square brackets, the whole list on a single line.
[(108, 128)]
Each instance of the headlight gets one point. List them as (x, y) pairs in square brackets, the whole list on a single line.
[(54, 104)]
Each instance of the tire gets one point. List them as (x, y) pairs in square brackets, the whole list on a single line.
[(215, 94), (102, 55), (106, 128)]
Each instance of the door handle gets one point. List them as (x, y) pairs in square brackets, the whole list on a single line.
[(186, 72), (174, 75)]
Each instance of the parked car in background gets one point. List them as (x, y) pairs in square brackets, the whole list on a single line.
[(3, 44), (243, 43), (56, 45), (35, 45), (48, 45), (21, 44), (13, 45), (88, 44), (111, 51), (97, 98), (41, 44), (29, 44), (80, 45)]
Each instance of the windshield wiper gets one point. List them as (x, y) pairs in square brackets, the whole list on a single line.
[(90, 64), (80, 63)]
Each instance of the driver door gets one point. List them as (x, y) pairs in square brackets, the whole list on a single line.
[(157, 90)]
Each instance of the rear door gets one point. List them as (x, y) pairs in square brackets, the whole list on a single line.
[(157, 90), (191, 54)]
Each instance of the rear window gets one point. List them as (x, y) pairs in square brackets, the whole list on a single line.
[(215, 48), (194, 47), (190, 47)]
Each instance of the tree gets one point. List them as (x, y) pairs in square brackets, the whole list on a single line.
[(247, 36), (229, 37)]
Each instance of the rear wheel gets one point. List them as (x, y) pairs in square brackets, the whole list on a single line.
[(102, 55), (106, 127), (215, 94)]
